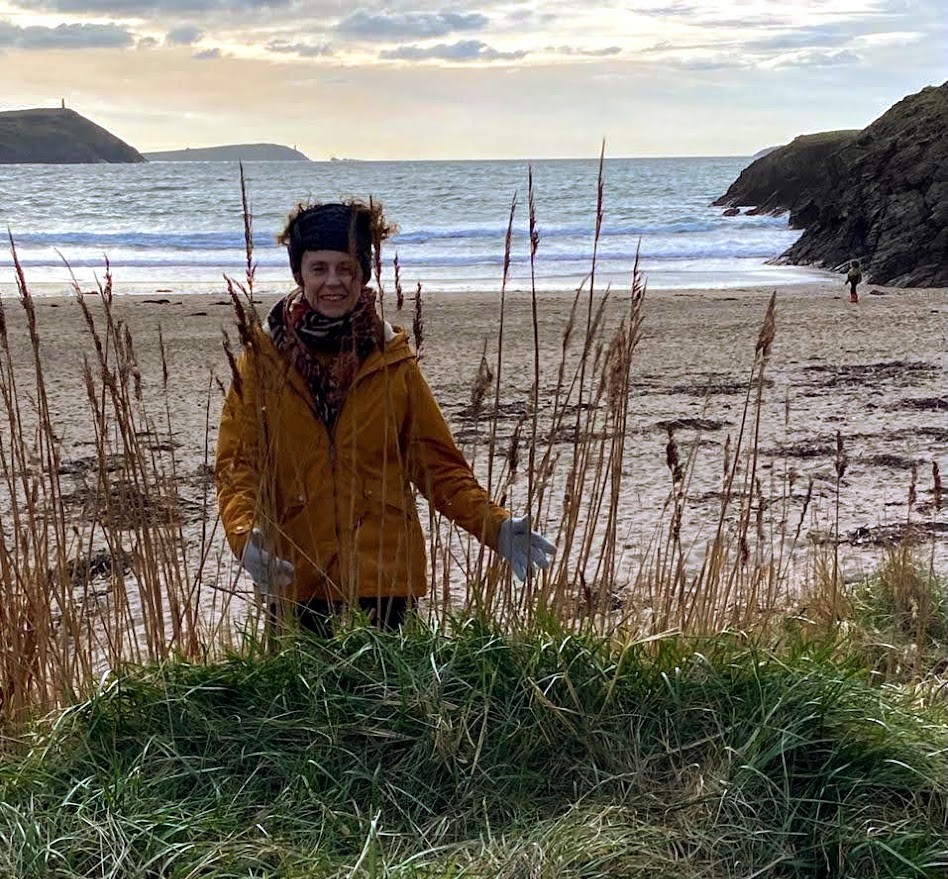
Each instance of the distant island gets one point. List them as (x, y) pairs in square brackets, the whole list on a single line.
[(58, 137), (766, 151), (247, 152), (879, 195)]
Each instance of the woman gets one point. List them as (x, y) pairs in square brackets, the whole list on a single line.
[(326, 428)]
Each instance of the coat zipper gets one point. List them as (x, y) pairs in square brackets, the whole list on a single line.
[(331, 437)]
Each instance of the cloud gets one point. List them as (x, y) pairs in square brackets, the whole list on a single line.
[(146, 9), (669, 10), (812, 58), (535, 18), (770, 43), (895, 38), (385, 25), (184, 36), (304, 50), (830, 39), (464, 50), (830, 35), (64, 36), (708, 63), (207, 55), (577, 52)]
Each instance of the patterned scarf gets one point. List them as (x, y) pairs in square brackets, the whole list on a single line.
[(326, 351)]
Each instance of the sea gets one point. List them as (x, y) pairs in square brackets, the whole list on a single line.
[(179, 225)]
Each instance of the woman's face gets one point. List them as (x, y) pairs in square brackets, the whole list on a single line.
[(331, 281)]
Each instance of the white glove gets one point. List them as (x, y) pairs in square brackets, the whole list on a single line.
[(270, 573), (521, 547)]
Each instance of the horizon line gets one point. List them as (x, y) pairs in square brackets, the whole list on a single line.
[(343, 159)]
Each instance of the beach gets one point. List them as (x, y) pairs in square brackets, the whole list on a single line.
[(874, 373)]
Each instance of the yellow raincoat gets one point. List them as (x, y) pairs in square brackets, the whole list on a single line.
[(338, 503)]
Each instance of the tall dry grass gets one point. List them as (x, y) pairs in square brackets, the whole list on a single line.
[(573, 429), (96, 568)]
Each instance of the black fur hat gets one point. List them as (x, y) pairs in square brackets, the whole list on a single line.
[(332, 226)]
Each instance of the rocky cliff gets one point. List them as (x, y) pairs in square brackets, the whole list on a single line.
[(880, 195), (787, 177), (58, 137)]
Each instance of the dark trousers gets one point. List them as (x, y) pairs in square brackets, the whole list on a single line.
[(387, 613)]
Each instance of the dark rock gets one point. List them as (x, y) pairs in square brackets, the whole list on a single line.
[(899, 372), (56, 137), (691, 424), (101, 564), (818, 447), (732, 212), (911, 434), (923, 404), (716, 385), (879, 195), (898, 534), (785, 178), (887, 459)]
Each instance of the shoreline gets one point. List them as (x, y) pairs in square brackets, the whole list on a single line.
[(193, 291), (270, 280)]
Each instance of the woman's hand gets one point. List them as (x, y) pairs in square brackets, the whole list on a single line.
[(522, 547), (270, 573)]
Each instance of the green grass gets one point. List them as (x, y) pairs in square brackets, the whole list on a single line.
[(897, 624), (472, 753), (905, 600)]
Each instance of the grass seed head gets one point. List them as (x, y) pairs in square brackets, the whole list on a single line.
[(482, 381), (617, 369), (768, 329), (232, 362), (534, 229), (842, 459), (418, 323), (399, 292), (672, 459), (513, 453)]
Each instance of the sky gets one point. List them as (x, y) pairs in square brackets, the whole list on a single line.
[(483, 79)]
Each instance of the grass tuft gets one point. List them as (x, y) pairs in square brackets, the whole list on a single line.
[(464, 751)]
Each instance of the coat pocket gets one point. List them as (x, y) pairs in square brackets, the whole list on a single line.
[(292, 508), (390, 543)]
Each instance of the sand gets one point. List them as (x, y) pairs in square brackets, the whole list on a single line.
[(874, 372)]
